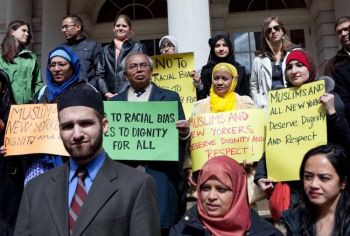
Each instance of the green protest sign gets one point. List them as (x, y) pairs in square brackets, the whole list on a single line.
[(141, 131)]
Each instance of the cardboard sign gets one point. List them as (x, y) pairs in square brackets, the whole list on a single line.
[(173, 72), (238, 134), (142, 131), (33, 128), (297, 123)]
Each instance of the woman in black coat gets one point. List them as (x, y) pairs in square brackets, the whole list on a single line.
[(221, 50)]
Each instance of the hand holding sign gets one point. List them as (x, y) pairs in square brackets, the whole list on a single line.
[(297, 123), (141, 131), (238, 134), (174, 72), (33, 128)]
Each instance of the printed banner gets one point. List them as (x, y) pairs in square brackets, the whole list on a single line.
[(297, 123), (173, 72), (238, 134), (33, 128), (142, 131)]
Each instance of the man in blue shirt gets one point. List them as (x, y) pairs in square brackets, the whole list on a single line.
[(109, 198)]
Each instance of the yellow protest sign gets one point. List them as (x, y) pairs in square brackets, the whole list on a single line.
[(297, 123), (173, 72), (33, 128), (238, 134)]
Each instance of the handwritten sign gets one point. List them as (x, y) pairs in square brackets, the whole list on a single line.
[(297, 123), (33, 128), (173, 72), (238, 134), (142, 131)]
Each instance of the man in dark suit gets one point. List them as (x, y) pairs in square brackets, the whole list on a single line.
[(169, 176), (90, 194)]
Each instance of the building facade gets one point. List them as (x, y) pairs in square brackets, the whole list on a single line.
[(193, 22)]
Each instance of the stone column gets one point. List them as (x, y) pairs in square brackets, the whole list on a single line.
[(322, 12), (19, 10), (341, 8), (53, 12), (189, 22)]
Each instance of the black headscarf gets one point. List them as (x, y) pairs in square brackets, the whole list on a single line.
[(213, 59)]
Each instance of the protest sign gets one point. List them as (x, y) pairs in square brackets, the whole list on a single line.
[(33, 128), (238, 134), (142, 131), (173, 72), (297, 123)]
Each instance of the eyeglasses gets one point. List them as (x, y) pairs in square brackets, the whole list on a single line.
[(52, 66), (64, 27), (276, 28), (135, 66), (167, 45)]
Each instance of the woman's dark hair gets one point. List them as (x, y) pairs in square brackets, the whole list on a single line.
[(340, 162), (8, 45), (286, 43), (213, 41)]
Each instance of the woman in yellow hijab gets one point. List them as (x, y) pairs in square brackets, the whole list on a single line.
[(222, 97)]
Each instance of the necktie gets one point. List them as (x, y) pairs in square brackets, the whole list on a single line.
[(139, 92), (78, 199)]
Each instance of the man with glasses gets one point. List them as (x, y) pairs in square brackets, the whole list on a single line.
[(168, 176), (338, 67), (88, 51)]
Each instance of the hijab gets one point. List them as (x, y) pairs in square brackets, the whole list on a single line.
[(304, 58), (170, 39), (237, 220), (55, 90), (213, 59), (228, 101)]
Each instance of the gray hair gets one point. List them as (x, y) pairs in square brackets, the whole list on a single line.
[(123, 63)]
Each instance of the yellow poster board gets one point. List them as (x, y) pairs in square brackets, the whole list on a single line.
[(173, 72), (238, 134), (33, 128), (297, 123)]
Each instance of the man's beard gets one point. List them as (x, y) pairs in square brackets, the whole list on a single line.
[(87, 152)]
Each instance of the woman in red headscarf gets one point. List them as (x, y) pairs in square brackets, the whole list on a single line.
[(222, 207), (300, 69)]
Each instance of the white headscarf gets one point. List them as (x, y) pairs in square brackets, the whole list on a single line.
[(172, 39)]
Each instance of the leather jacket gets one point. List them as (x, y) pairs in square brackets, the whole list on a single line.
[(109, 73)]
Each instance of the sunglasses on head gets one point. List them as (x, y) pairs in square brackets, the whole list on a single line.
[(276, 28)]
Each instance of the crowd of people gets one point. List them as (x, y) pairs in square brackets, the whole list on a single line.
[(89, 194)]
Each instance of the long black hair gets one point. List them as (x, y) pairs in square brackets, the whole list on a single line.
[(215, 59), (340, 162)]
